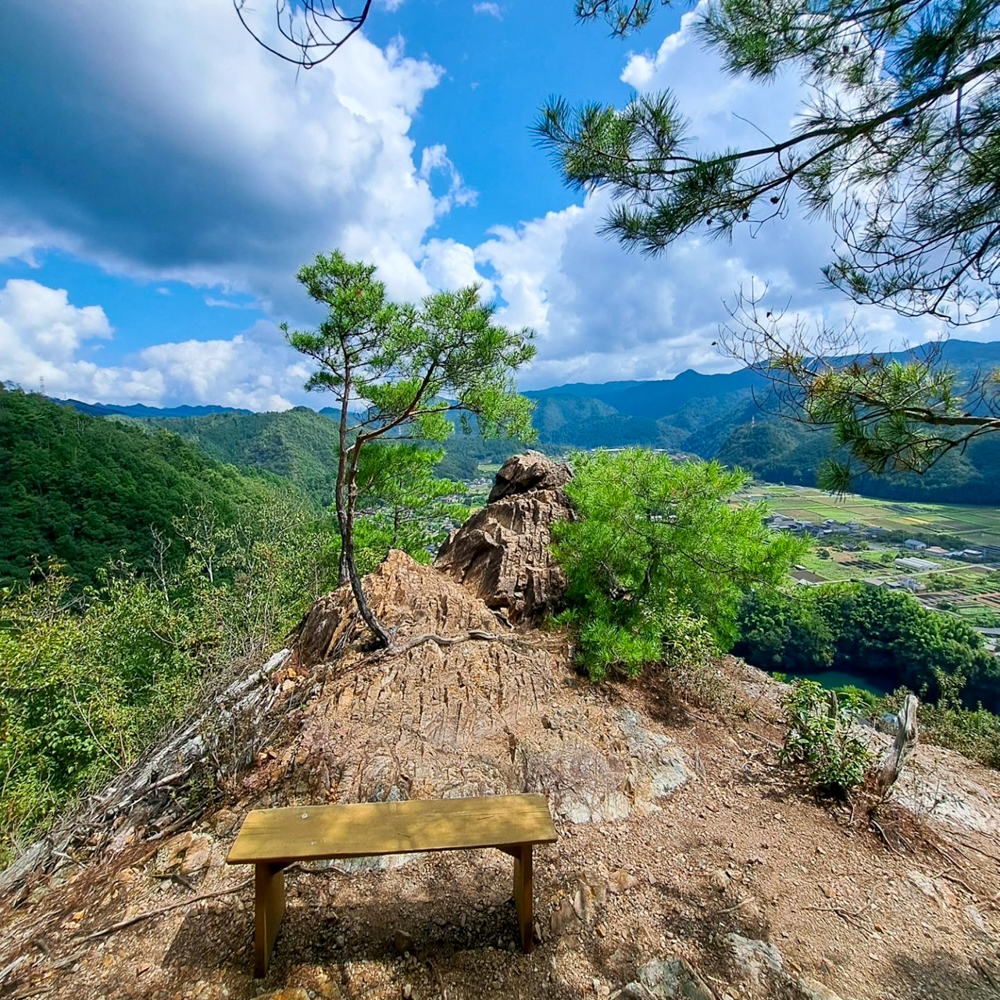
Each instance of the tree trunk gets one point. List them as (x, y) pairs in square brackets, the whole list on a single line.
[(345, 494), (906, 739), (347, 552)]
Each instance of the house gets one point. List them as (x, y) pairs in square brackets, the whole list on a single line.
[(915, 544)]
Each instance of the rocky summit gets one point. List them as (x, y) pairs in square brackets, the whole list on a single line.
[(689, 864)]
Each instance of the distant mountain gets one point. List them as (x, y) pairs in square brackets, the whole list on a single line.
[(660, 398), (142, 412), (726, 416), (731, 417), (299, 444)]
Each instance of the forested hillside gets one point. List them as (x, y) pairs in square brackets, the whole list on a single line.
[(84, 490), (299, 444), (735, 418), (730, 417)]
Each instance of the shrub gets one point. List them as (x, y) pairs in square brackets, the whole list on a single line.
[(657, 561), (819, 738)]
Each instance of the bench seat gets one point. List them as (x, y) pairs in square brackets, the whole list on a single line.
[(272, 839)]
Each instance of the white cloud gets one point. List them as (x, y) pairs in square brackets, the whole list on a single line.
[(41, 337), (201, 158), (254, 370), (492, 9), (47, 342), (434, 159), (604, 314), (451, 265), (46, 322), (214, 303)]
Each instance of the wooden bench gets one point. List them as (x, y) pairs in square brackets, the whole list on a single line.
[(273, 839)]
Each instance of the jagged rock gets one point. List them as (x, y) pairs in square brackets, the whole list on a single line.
[(760, 964), (667, 979), (756, 961), (459, 719), (528, 472), (502, 552)]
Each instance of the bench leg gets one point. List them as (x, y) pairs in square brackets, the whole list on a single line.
[(269, 907), (523, 891)]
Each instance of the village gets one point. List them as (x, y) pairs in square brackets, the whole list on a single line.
[(912, 547)]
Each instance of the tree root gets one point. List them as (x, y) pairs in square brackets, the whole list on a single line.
[(149, 914), (473, 635)]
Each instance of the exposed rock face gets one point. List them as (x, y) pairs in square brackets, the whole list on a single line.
[(477, 717), (502, 552), (667, 979), (527, 473)]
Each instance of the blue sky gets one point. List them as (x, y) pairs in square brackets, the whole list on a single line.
[(162, 177)]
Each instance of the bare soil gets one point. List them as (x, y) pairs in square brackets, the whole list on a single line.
[(903, 909)]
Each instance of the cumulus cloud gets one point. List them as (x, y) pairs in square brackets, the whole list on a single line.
[(491, 9), (253, 370), (48, 343), (604, 314), (448, 264), (167, 145), (41, 337), (434, 159)]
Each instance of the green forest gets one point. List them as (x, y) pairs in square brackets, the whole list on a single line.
[(734, 419), (82, 490)]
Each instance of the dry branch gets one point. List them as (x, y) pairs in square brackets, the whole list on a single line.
[(129, 921), (906, 740), (139, 793)]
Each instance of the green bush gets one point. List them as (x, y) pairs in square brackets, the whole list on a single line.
[(852, 626), (88, 680), (819, 738), (975, 733), (657, 560)]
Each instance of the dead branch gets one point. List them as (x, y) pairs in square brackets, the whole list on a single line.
[(440, 980), (149, 914), (906, 740)]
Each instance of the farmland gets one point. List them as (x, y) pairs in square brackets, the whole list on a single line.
[(862, 539), (974, 526)]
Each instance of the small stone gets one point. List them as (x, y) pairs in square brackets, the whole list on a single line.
[(621, 881), (402, 942), (407, 991)]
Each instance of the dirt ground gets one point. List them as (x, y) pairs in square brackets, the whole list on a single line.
[(736, 849), (735, 869)]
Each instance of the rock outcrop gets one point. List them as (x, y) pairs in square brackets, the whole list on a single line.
[(527, 473), (501, 554), (475, 717)]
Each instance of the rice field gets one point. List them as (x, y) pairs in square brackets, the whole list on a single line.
[(976, 526)]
